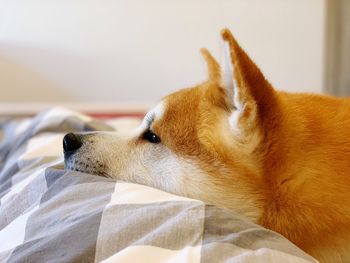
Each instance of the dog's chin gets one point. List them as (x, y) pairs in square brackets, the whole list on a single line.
[(85, 166)]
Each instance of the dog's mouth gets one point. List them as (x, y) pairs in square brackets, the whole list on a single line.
[(85, 166)]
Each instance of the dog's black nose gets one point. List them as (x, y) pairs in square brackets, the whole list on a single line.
[(71, 142)]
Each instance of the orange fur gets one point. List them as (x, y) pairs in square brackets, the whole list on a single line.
[(296, 177)]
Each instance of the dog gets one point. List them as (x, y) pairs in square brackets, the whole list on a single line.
[(282, 160)]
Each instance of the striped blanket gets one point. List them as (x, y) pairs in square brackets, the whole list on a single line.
[(48, 214)]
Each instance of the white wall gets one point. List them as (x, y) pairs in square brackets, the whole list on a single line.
[(136, 50)]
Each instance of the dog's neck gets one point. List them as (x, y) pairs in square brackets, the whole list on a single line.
[(299, 158)]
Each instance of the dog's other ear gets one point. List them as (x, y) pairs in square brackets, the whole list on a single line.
[(214, 70), (249, 95)]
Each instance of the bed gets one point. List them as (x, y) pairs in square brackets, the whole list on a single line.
[(48, 214)]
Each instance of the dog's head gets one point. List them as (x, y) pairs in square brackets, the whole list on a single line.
[(204, 142)]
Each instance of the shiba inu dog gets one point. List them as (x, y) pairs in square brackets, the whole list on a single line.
[(282, 160)]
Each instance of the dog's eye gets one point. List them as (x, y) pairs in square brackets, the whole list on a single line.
[(151, 137)]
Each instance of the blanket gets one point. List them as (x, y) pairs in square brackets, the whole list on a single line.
[(48, 214)]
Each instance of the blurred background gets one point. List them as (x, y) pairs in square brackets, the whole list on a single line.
[(130, 53)]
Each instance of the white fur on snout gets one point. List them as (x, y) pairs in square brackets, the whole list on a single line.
[(144, 163), (112, 149)]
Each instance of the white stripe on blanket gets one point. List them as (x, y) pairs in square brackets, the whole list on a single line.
[(13, 234), (150, 254), (127, 193)]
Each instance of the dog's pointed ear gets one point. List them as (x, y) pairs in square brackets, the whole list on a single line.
[(214, 70), (249, 95)]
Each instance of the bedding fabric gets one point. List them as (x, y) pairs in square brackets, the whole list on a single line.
[(48, 214)]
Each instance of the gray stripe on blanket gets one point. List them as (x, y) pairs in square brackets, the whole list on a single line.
[(169, 225), (7, 129), (27, 198), (6, 178), (65, 229), (74, 242), (224, 231)]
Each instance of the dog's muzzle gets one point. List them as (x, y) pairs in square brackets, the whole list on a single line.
[(71, 143)]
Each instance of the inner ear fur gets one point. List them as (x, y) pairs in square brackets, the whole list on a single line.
[(250, 84)]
